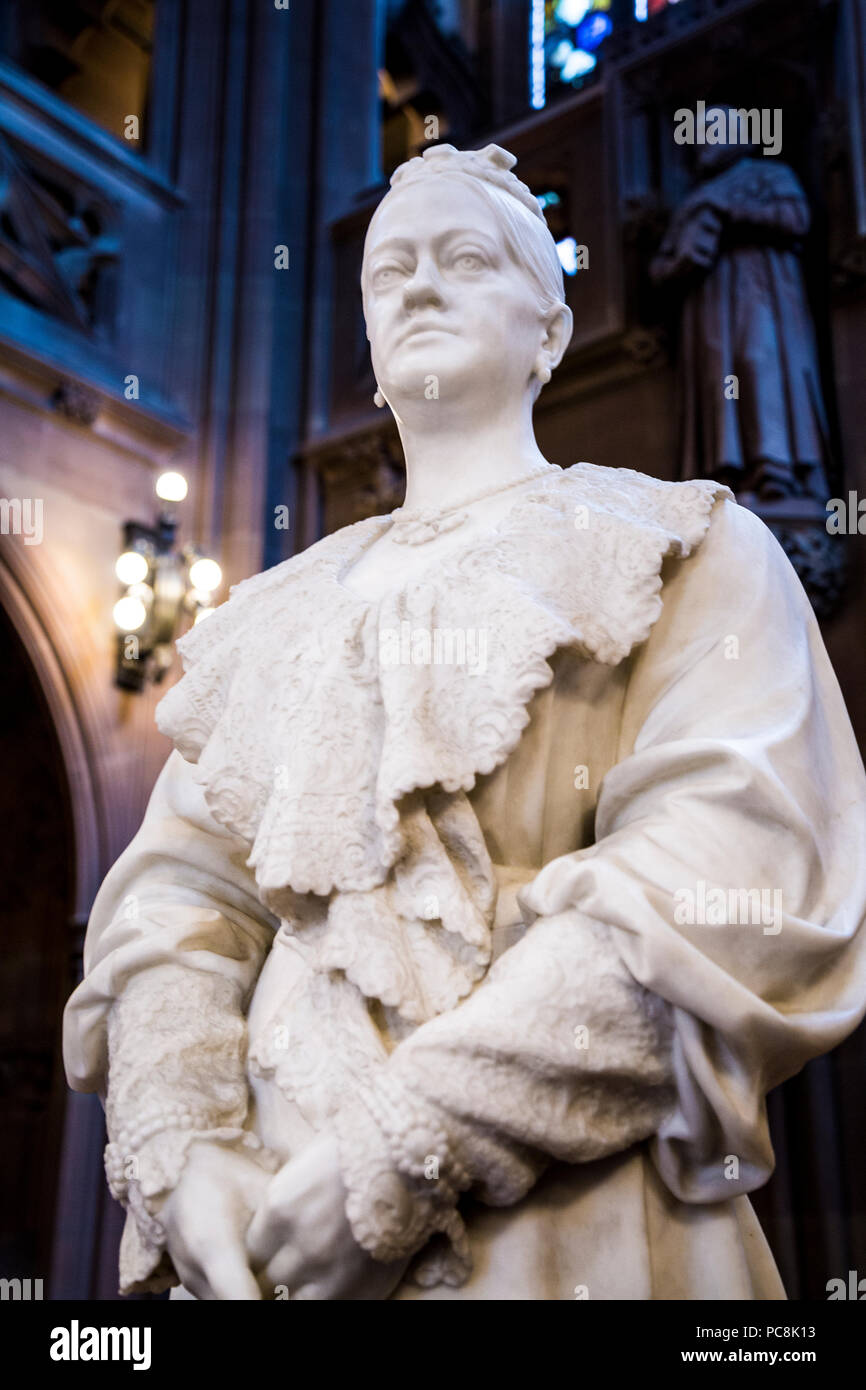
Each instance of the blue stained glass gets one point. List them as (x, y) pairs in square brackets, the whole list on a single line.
[(567, 252), (593, 30), (645, 9), (564, 36)]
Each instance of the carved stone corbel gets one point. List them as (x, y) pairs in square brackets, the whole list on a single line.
[(76, 402)]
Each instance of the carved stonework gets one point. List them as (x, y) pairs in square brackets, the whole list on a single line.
[(848, 267), (648, 347), (362, 476), (820, 563), (78, 403), (58, 247)]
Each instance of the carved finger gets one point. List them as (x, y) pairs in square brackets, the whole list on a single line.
[(266, 1234)]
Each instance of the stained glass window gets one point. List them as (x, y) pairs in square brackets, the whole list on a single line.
[(645, 9), (565, 39)]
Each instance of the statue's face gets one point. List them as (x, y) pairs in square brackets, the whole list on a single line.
[(713, 158), (445, 300)]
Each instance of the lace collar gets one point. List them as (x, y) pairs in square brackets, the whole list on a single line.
[(314, 715)]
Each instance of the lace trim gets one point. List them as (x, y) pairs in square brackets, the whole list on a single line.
[(157, 1171), (317, 753), (395, 1211)]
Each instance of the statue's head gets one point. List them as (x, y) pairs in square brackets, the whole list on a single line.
[(462, 283), (720, 150)]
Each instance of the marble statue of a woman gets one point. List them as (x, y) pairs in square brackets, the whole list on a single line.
[(509, 853)]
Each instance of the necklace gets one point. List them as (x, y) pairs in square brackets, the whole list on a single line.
[(415, 526)]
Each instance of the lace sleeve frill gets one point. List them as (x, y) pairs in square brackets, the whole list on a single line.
[(175, 945), (559, 1054)]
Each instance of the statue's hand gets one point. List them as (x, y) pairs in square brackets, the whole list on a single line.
[(691, 244), (205, 1218), (300, 1237), (699, 239)]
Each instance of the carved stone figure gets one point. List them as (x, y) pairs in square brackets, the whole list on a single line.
[(753, 414), (508, 854)]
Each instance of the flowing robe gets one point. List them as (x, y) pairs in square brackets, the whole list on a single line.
[(457, 914), (748, 318)]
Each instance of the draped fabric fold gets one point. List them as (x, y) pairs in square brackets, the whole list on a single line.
[(728, 855)]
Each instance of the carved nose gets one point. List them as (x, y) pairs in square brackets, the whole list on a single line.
[(421, 290)]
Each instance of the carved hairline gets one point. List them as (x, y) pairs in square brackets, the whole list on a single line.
[(491, 165)]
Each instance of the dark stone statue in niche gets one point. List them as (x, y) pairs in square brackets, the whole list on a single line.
[(752, 409)]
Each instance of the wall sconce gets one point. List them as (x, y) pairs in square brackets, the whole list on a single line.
[(160, 585)]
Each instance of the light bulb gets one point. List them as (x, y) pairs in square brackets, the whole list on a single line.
[(171, 487), (205, 575), (131, 567), (129, 613)]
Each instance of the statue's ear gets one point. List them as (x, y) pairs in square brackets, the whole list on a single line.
[(560, 323)]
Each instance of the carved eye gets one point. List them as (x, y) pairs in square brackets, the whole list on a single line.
[(386, 275), (468, 261)]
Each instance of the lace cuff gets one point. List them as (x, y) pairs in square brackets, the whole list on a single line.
[(403, 1178), (468, 1101), (187, 1083)]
